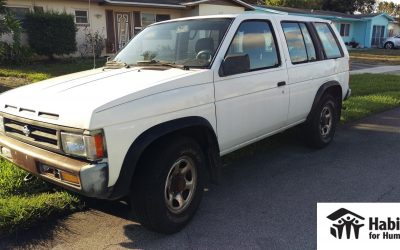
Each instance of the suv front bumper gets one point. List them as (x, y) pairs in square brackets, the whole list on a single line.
[(86, 178)]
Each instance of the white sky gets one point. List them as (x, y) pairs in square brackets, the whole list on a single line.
[(396, 1)]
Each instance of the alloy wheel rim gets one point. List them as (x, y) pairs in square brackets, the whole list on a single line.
[(325, 124), (180, 185)]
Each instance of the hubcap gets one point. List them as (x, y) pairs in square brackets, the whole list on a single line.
[(389, 46), (180, 185), (325, 124)]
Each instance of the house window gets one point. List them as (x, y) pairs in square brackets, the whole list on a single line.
[(38, 9), (344, 29), (20, 14), (150, 18), (81, 17)]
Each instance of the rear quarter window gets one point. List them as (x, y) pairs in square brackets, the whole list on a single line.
[(329, 41)]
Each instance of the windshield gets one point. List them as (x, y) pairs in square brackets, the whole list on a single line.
[(191, 43)]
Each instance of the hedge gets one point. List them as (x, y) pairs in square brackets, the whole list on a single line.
[(51, 33)]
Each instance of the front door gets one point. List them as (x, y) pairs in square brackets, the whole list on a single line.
[(123, 27), (252, 104), (378, 34)]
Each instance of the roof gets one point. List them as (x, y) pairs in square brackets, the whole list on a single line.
[(177, 4), (321, 13), (342, 212)]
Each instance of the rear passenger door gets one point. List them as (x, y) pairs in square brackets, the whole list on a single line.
[(308, 65), (250, 105)]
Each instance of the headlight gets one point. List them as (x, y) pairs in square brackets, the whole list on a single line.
[(91, 147), (2, 124)]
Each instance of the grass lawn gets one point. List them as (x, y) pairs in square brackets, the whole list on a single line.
[(376, 56), (371, 94), (11, 77), (22, 204)]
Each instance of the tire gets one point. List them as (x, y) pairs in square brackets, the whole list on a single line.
[(155, 190), (321, 127), (389, 45)]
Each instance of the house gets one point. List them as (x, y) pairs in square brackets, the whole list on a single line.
[(119, 20), (368, 30)]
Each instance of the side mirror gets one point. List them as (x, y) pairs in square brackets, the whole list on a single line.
[(235, 64)]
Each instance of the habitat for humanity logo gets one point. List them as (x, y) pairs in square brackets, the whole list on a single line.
[(345, 221)]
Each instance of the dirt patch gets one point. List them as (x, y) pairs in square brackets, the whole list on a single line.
[(7, 83)]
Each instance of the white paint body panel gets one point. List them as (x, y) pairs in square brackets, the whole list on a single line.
[(125, 103)]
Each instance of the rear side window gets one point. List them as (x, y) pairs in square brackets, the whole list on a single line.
[(256, 39), (299, 42), (328, 40)]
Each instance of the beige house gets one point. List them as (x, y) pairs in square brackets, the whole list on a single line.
[(119, 20)]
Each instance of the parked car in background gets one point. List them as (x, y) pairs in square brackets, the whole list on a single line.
[(151, 125), (392, 42)]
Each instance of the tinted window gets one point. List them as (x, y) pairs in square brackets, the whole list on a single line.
[(256, 39), (328, 40), (309, 43), (300, 44)]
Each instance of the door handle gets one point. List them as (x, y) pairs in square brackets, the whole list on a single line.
[(280, 84)]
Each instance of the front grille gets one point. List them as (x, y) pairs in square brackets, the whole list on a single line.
[(30, 132)]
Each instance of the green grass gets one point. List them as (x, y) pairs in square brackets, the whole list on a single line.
[(23, 204), (371, 93), (39, 71), (376, 56)]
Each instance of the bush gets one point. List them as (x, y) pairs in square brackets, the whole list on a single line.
[(93, 41), (51, 33), (14, 54)]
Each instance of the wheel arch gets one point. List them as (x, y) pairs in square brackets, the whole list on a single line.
[(196, 127), (332, 87)]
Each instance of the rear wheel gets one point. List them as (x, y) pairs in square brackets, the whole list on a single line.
[(167, 191), (321, 127)]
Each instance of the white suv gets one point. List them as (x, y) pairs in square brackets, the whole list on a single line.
[(152, 124)]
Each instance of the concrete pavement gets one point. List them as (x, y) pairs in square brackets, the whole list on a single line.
[(376, 70), (267, 198)]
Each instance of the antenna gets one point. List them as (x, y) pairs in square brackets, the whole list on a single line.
[(90, 29)]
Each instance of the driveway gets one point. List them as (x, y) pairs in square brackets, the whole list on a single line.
[(266, 199)]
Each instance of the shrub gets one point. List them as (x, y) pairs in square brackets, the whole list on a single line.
[(14, 54), (51, 33), (93, 41)]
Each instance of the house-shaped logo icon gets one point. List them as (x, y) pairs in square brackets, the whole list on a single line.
[(345, 220)]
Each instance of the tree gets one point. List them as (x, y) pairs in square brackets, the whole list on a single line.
[(349, 6), (389, 8), (303, 4)]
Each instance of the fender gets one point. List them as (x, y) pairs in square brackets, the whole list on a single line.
[(320, 93), (123, 184)]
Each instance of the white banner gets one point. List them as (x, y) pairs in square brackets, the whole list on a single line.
[(355, 226)]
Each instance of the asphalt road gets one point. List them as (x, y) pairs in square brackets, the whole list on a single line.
[(267, 198)]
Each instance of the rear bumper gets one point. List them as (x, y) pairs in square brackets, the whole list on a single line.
[(92, 177)]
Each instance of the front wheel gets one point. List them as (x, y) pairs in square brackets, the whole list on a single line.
[(321, 127), (167, 191), (389, 45)]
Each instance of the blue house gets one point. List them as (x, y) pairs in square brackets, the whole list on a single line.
[(368, 30)]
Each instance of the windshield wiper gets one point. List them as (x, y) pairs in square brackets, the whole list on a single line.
[(115, 65), (161, 63)]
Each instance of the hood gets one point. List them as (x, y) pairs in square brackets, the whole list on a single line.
[(71, 100)]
